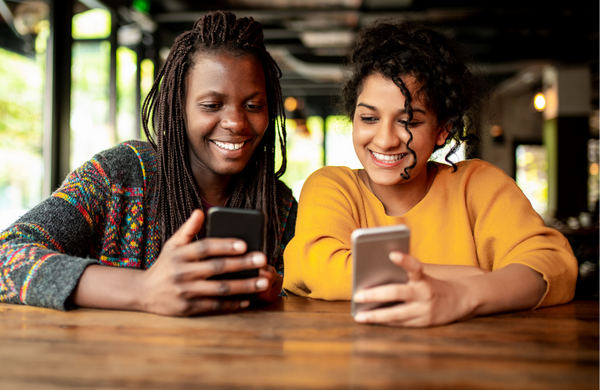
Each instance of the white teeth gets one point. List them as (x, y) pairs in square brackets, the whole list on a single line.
[(388, 158), (228, 146)]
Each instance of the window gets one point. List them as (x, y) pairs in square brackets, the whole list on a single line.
[(21, 126), (532, 175)]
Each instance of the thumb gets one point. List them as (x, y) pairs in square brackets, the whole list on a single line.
[(413, 267), (187, 231)]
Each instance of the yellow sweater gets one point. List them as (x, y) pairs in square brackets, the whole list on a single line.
[(475, 216)]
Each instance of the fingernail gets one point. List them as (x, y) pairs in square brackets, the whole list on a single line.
[(361, 317), (258, 259), (359, 297), (262, 284), (396, 256), (238, 246), (244, 304)]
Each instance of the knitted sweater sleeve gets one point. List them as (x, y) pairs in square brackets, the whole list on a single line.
[(44, 253)]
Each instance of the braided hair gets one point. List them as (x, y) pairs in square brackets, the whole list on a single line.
[(256, 186), (452, 91)]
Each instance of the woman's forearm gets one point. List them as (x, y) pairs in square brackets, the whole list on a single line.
[(103, 287), (514, 287), (447, 272)]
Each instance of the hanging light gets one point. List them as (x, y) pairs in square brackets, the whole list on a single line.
[(290, 104), (539, 101), (28, 15)]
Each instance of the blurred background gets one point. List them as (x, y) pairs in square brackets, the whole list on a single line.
[(73, 75)]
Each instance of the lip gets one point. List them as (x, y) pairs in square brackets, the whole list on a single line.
[(385, 164)]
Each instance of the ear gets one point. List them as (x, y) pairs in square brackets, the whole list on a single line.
[(442, 134)]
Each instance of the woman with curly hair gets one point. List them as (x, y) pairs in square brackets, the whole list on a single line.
[(125, 230), (477, 246)]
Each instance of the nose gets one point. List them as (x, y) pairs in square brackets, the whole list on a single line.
[(234, 119), (387, 135)]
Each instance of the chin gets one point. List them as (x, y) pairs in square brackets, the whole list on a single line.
[(230, 172), (386, 180)]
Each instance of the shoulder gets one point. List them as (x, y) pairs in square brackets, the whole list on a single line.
[(333, 177), (477, 166), (332, 187), (127, 153), (128, 162), (474, 172), (482, 184)]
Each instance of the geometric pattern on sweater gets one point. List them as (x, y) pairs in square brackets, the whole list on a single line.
[(121, 223), (105, 212), (18, 256)]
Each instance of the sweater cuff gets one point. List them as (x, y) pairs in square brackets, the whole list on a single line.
[(50, 282)]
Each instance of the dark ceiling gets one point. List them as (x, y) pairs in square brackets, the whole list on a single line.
[(309, 38)]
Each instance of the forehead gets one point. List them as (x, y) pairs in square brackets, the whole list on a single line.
[(377, 84), (225, 72)]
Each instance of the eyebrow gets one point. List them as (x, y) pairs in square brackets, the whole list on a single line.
[(223, 96), (402, 111)]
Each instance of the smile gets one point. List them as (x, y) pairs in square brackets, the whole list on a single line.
[(388, 158), (228, 145)]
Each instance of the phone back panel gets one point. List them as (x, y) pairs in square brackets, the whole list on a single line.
[(247, 225), (371, 264)]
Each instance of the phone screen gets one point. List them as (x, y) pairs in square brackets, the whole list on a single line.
[(247, 225), (371, 264)]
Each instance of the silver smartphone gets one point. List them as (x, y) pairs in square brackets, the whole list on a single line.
[(371, 264)]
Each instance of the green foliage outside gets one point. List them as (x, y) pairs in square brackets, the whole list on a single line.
[(21, 105), (21, 112)]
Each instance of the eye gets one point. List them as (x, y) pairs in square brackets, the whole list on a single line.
[(368, 119), (255, 107), (410, 124), (210, 106)]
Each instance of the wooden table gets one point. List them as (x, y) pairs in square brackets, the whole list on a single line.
[(296, 343)]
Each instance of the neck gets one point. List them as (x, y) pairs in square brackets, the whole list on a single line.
[(214, 189), (399, 199)]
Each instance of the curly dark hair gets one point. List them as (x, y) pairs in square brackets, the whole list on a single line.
[(455, 93), (256, 186)]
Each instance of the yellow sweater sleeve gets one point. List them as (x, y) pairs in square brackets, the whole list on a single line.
[(317, 260), (506, 230)]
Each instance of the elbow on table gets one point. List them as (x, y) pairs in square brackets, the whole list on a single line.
[(324, 288)]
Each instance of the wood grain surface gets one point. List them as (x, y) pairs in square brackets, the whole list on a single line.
[(296, 343)]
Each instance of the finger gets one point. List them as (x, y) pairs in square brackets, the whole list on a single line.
[(201, 270), (223, 288), (274, 290), (213, 247), (400, 314), (208, 305), (386, 293), (186, 233), (267, 271), (413, 267)]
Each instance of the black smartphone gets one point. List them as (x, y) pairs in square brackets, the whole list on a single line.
[(372, 266), (247, 225)]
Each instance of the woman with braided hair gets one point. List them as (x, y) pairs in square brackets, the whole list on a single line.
[(125, 230), (477, 247)]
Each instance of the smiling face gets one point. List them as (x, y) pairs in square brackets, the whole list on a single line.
[(226, 114), (380, 137)]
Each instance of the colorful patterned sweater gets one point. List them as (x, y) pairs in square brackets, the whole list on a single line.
[(104, 213)]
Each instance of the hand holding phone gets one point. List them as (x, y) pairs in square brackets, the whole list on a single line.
[(245, 224), (371, 264), (177, 283)]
